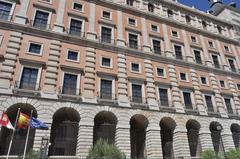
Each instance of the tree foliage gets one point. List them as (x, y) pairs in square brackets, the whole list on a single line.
[(32, 154), (209, 154), (233, 154)]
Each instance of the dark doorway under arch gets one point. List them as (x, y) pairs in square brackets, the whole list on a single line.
[(235, 128), (64, 132), (216, 129)]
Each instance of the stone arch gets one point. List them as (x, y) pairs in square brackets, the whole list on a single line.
[(235, 129), (20, 134), (105, 127), (193, 127), (216, 129), (138, 126), (167, 125), (64, 132)]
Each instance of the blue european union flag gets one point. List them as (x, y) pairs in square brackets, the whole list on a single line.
[(37, 124)]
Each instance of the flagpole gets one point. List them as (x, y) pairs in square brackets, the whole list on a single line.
[(10, 144), (25, 148)]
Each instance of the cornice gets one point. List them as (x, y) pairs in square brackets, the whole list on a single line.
[(107, 47), (169, 21)]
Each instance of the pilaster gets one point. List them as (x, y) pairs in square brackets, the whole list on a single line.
[(218, 97), (168, 49), (180, 143), (21, 16), (205, 139), (122, 81), (8, 66), (223, 59), (58, 26), (227, 137), (154, 143), (120, 40), (146, 46), (89, 82), (236, 98), (52, 69), (188, 53), (151, 92), (197, 93), (91, 34), (176, 98), (205, 52)]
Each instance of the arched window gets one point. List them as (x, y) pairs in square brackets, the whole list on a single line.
[(138, 125), (64, 132), (104, 127), (167, 128), (20, 134), (129, 2), (216, 129), (193, 137), (188, 19), (235, 128), (170, 13), (150, 7)]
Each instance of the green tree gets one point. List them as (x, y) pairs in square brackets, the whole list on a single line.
[(209, 154), (32, 154), (233, 154), (103, 150)]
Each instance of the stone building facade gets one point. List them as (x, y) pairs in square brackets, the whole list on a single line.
[(157, 78)]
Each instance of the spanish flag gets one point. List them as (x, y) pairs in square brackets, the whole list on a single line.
[(23, 121)]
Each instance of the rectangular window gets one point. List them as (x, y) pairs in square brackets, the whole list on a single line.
[(204, 80), (69, 84), (130, 2), (41, 20), (106, 14), (163, 95), (75, 27), (160, 72), (222, 83), (193, 38), (35, 48), (198, 58), (187, 100), (5, 9), (209, 103), (238, 86), (154, 28), (133, 41), (232, 65), (131, 21), (175, 34), (72, 55), (106, 35), (210, 44), (29, 78), (156, 46), (106, 89), (228, 105), (78, 7), (226, 48), (137, 93), (215, 61), (135, 67), (106, 62), (183, 76), (178, 52)]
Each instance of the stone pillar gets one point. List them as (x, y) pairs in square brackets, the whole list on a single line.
[(197, 93), (180, 143), (219, 101), (235, 53), (146, 46), (205, 138), (8, 66), (85, 139), (122, 81), (52, 70), (227, 138), (151, 91), (236, 98), (223, 59), (168, 49), (122, 139), (176, 97), (91, 34), (21, 16), (154, 143), (89, 82), (188, 53), (120, 40), (205, 52), (58, 26)]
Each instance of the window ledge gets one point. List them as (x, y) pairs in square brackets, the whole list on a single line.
[(70, 97), (26, 92), (133, 29), (77, 15), (107, 73), (107, 22), (76, 69), (44, 6)]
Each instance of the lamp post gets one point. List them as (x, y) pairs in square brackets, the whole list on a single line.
[(44, 147)]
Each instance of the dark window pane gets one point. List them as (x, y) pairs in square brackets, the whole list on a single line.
[(228, 105), (75, 27), (106, 62), (136, 93), (41, 20), (232, 65), (133, 41), (203, 80), (5, 9), (106, 89), (69, 84), (163, 94), (215, 61), (209, 103), (187, 100), (77, 6), (222, 84), (183, 76), (106, 14), (106, 35), (35, 48), (160, 72), (198, 56), (72, 55), (178, 52), (157, 46), (135, 67), (29, 78), (130, 2)]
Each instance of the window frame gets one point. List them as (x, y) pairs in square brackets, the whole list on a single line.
[(191, 97), (224, 82), (78, 58), (142, 87), (109, 78), (201, 56), (76, 9), (112, 32), (213, 101), (161, 44), (110, 14), (168, 94), (78, 84), (78, 19), (12, 9), (151, 26), (233, 107), (186, 75), (207, 82), (135, 23), (38, 43), (182, 51), (138, 39), (176, 34), (164, 72), (213, 45), (49, 16), (111, 61), (139, 66), (218, 58)]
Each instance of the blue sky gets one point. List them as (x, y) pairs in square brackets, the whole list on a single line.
[(204, 4)]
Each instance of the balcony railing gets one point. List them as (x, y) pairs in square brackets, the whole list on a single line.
[(133, 46), (106, 40), (138, 101), (69, 90), (27, 85), (6, 17), (39, 25), (78, 33)]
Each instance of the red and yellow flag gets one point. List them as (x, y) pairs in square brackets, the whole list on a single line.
[(23, 120)]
